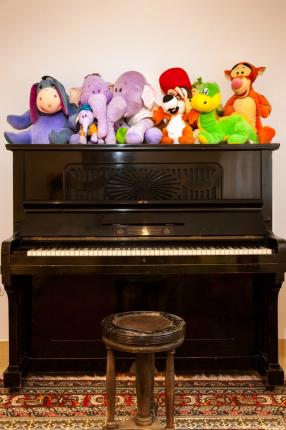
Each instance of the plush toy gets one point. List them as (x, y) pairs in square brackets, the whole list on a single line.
[(96, 92), (87, 126), (247, 101), (173, 81), (48, 115), (173, 113), (133, 99), (233, 128)]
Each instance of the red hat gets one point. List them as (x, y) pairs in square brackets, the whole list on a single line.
[(174, 77)]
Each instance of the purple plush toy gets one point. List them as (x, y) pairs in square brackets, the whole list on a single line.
[(97, 93), (133, 99), (48, 115)]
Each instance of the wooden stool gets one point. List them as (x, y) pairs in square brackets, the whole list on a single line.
[(144, 334)]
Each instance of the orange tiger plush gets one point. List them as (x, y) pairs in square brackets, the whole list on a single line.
[(247, 101)]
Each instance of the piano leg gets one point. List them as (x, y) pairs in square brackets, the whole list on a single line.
[(269, 286), (17, 289)]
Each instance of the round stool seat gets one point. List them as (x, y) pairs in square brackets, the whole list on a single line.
[(143, 328)]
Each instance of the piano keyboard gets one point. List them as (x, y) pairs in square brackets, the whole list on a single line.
[(145, 252)]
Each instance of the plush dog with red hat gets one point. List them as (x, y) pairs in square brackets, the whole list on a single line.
[(176, 86)]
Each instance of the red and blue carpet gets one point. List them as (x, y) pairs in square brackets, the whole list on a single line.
[(202, 402)]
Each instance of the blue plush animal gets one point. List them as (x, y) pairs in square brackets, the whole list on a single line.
[(48, 115)]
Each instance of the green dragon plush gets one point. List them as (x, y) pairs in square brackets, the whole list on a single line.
[(232, 129)]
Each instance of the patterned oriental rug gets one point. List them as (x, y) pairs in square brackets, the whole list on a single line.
[(201, 402)]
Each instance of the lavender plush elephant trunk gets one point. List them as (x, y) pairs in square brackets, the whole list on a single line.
[(98, 103), (115, 111)]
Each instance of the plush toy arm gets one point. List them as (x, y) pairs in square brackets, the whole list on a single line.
[(72, 123), (264, 107), (193, 117), (228, 108), (20, 122), (159, 115)]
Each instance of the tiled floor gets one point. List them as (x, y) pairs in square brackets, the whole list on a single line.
[(4, 354)]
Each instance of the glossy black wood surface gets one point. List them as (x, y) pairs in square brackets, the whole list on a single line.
[(91, 195)]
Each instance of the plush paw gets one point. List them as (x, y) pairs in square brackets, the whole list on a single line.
[(133, 138), (18, 138), (20, 122), (60, 137), (74, 139), (10, 137), (153, 135)]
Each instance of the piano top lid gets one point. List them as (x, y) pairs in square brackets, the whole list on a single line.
[(143, 147)]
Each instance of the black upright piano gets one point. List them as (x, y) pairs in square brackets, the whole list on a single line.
[(101, 229)]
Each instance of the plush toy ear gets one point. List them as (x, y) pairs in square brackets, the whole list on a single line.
[(148, 96), (182, 92), (227, 74), (33, 103), (74, 96), (261, 70), (62, 95), (194, 91)]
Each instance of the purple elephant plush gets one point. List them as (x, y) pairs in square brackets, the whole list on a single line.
[(97, 93), (132, 101), (48, 115)]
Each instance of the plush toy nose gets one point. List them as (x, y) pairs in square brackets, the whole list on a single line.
[(167, 98), (236, 83)]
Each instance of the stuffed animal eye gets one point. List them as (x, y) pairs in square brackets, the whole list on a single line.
[(115, 90), (93, 92), (205, 91), (55, 95), (120, 90)]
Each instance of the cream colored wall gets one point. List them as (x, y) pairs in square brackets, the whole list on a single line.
[(68, 39)]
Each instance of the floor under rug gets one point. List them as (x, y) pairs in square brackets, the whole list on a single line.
[(202, 402)]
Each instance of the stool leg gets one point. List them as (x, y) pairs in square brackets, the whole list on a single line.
[(110, 389), (144, 388), (170, 390)]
